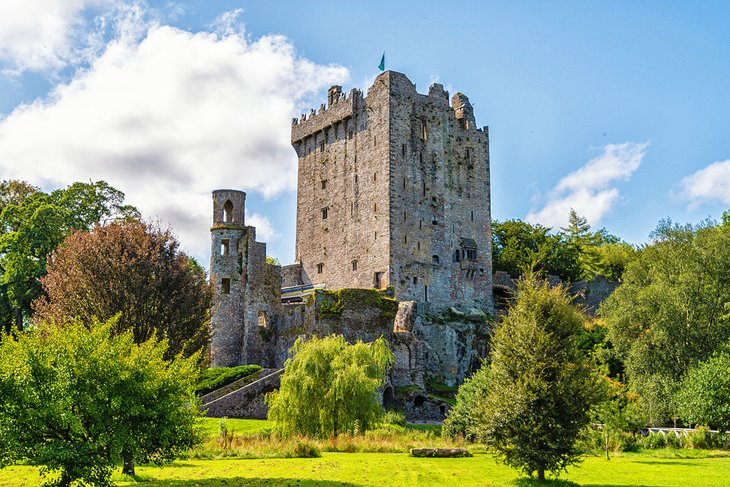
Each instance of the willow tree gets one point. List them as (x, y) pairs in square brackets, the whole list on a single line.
[(540, 387), (330, 387)]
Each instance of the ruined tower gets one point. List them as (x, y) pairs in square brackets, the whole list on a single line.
[(394, 191), (247, 290)]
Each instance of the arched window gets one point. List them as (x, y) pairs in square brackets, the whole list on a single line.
[(228, 212)]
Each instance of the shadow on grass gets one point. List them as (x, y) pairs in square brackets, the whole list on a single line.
[(241, 481), (528, 482)]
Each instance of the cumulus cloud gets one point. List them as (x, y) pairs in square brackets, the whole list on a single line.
[(711, 184), (46, 34), (167, 117), (591, 190)]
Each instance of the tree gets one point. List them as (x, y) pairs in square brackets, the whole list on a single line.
[(540, 387), (33, 224), (77, 399), (330, 387), (461, 419), (518, 246), (670, 313), (704, 396), (135, 270)]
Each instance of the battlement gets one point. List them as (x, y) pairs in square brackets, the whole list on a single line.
[(339, 108)]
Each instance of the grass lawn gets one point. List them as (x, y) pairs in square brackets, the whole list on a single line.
[(655, 469)]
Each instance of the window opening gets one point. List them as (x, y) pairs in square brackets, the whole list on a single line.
[(228, 212), (349, 134), (225, 246), (435, 260), (415, 280), (354, 265), (262, 319), (424, 129), (403, 150), (226, 285), (405, 239), (472, 215), (378, 280), (425, 293), (325, 212), (324, 184), (320, 268)]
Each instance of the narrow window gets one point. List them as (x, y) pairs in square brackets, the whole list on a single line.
[(424, 189), (472, 215), (321, 146), (228, 212), (405, 216), (225, 246), (354, 265), (378, 280), (420, 157), (352, 208), (418, 245), (375, 176), (435, 260), (425, 293), (375, 207), (349, 134), (262, 319), (355, 178), (403, 150), (375, 140), (404, 183), (434, 220), (376, 235), (324, 184), (457, 255), (424, 129), (420, 224), (405, 239), (468, 154), (226, 285), (320, 268), (325, 211), (415, 280)]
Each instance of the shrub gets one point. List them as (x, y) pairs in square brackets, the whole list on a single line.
[(460, 420), (394, 417), (306, 449), (703, 439), (215, 378), (654, 441)]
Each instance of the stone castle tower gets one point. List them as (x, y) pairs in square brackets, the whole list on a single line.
[(247, 290), (394, 191)]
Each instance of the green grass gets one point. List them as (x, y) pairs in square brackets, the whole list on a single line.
[(397, 469), (210, 426)]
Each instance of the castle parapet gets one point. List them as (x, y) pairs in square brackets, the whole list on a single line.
[(340, 107)]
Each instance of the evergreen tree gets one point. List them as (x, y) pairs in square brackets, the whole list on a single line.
[(540, 386)]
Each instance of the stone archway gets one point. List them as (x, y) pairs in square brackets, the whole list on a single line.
[(388, 398)]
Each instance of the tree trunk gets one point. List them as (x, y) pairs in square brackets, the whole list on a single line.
[(128, 463), (541, 474), (18, 318)]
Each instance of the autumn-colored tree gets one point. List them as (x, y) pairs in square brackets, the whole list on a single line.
[(133, 269), (33, 223)]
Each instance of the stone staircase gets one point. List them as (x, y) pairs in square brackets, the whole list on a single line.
[(243, 398)]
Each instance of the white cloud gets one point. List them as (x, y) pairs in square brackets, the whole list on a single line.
[(265, 231), (591, 190), (45, 34), (167, 118), (711, 184)]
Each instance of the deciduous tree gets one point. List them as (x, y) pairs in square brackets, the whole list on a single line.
[(77, 399), (137, 271), (330, 387)]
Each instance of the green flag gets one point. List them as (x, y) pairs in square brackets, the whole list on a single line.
[(381, 66)]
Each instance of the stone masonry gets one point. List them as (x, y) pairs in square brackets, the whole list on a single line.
[(393, 191)]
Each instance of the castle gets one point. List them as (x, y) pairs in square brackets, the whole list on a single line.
[(393, 194)]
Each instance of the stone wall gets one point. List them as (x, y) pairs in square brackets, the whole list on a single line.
[(393, 190), (247, 402)]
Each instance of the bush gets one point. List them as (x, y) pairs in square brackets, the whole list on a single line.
[(306, 449), (654, 441), (703, 439), (460, 420), (394, 417), (215, 378)]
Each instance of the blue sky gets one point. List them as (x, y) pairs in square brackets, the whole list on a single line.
[(618, 109)]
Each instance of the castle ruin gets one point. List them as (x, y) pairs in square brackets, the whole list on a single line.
[(393, 239)]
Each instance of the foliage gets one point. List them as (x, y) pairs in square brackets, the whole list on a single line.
[(704, 396), (670, 313), (217, 377), (518, 246), (540, 387), (329, 387), (461, 419), (273, 260), (76, 399), (135, 270), (33, 224)]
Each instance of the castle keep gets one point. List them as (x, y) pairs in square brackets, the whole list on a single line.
[(393, 194), (393, 191)]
